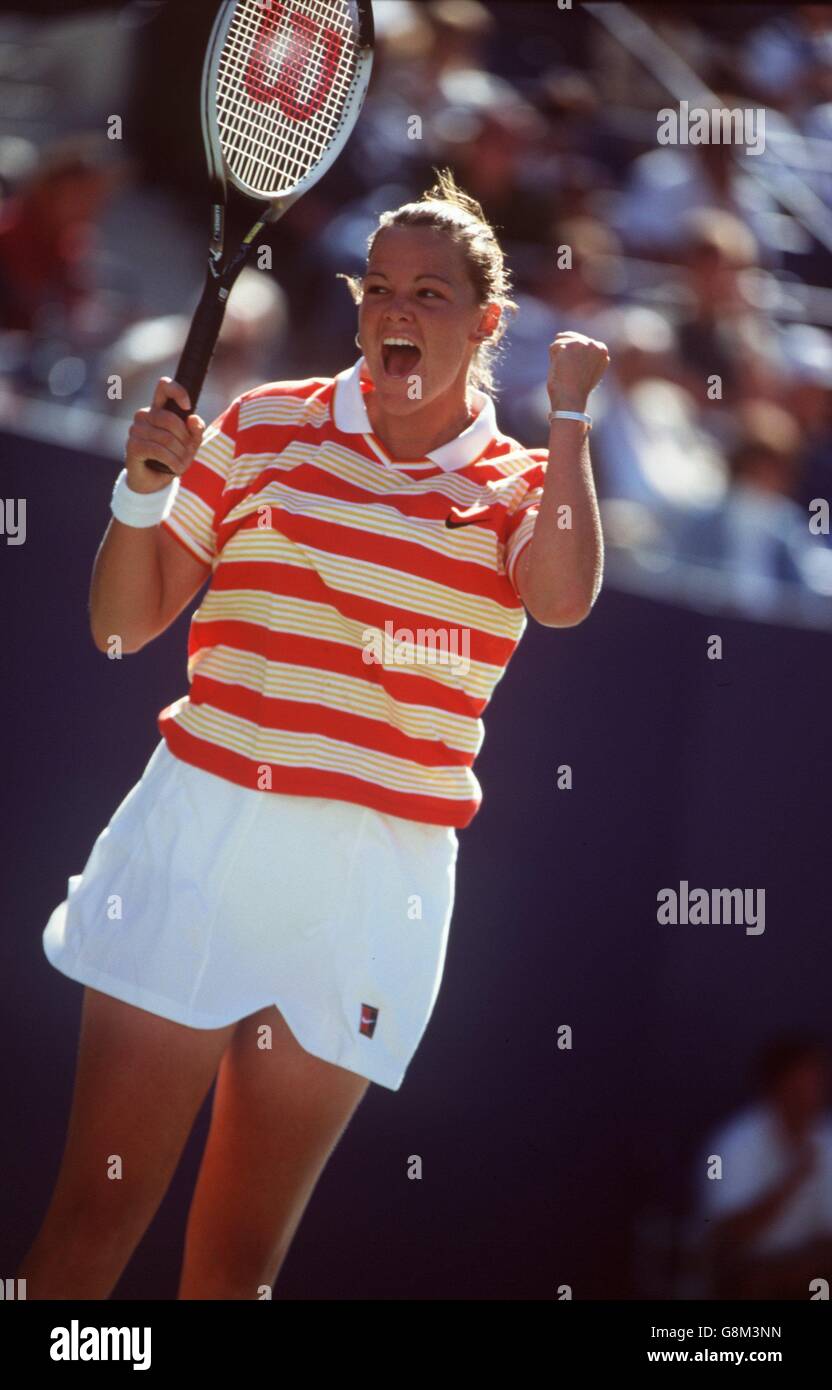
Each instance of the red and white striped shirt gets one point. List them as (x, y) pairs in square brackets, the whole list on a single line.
[(361, 610)]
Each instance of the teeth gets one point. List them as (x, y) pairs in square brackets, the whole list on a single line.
[(399, 342)]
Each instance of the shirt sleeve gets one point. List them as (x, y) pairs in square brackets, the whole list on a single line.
[(521, 521), (196, 512), (745, 1175)]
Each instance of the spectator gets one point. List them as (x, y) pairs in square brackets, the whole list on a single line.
[(562, 297), (583, 153), (46, 233), (582, 289), (717, 329), (651, 445), (418, 46), (664, 185), (252, 347), (759, 537), (788, 59), (491, 135), (807, 392), (770, 1212)]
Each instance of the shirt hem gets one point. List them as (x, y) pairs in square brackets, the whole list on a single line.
[(294, 781)]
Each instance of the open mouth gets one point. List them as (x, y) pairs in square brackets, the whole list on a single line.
[(398, 360)]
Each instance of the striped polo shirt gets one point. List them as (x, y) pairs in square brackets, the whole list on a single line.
[(361, 609)]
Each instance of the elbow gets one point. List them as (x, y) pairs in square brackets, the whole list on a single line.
[(565, 613), (565, 618), (115, 643), (564, 606)]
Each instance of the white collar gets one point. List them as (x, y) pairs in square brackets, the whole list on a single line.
[(349, 413)]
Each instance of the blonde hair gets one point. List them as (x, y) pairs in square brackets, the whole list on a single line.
[(446, 208)]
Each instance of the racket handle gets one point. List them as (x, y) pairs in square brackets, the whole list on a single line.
[(154, 464), (197, 353)]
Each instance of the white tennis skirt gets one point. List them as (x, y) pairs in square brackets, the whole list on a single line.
[(204, 902)]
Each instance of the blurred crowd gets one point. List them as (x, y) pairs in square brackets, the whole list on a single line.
[(764, 1180), (753, 1219), (703, 267)]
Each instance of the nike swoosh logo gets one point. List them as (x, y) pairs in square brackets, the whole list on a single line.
[(466, 518)]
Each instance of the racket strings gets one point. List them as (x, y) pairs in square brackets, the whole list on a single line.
[(251, 133), (286, 75)]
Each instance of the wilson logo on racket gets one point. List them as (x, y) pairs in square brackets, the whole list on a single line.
[(295, 50)]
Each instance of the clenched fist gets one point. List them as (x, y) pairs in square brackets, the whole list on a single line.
[(159, 434), (576, 365)]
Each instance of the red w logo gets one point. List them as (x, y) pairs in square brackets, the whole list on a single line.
[(297, 35)]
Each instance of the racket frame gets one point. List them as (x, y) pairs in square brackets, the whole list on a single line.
[(222, 269)]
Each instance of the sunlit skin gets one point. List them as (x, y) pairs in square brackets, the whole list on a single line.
[(416, 285)]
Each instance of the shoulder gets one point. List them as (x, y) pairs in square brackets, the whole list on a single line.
[(507, 458), (304, 400), (300, 386), (741, 1130)]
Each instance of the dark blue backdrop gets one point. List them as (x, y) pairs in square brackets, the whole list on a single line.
[(537, 1162)]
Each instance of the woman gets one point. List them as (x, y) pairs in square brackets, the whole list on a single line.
[(271, 902)]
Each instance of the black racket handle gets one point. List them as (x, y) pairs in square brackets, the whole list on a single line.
[(197, 353)]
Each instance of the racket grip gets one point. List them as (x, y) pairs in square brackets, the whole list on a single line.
[(197, 353), (154, 464)]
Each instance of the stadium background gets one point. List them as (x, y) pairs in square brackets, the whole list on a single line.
[(542, 1167)]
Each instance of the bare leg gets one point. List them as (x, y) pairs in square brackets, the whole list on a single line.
[(139, 1083), (277, 1116)]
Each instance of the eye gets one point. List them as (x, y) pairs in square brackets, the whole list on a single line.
[(382, 289)]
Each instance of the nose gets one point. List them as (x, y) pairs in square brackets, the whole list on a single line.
[(398, 307)]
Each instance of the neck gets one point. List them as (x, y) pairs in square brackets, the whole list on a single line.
[(413, 436)]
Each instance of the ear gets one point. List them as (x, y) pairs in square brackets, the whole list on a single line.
[(489, 321)]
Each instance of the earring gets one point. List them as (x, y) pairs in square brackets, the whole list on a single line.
[(358, 342)]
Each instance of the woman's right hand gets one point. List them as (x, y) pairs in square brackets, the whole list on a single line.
[(158, 433)]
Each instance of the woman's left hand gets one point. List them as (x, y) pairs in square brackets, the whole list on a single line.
[(576, 365)]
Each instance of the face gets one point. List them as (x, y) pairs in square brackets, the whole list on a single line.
[(802, 1091), (416, 286)]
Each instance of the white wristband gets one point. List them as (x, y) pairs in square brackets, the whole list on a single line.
[(142, 508), (570, 415)]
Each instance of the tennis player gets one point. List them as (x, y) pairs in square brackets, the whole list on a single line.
[(270, 904)]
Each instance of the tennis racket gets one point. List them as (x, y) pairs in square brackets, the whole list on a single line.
[(283, 83)]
